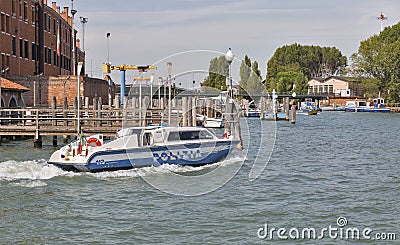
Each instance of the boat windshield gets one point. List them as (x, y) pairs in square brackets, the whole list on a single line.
[(189, 135)]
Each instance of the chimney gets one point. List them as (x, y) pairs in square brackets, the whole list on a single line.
[(54, 5), (66, 10), (58, 10), (44, 2)]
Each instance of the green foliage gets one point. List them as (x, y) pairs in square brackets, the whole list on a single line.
[(217, 73), (312, 61), (378, 59), (245, 71), (254, 85), (291, 81)]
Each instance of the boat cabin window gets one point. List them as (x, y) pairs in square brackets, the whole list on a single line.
[(147, 139), (189, 135)]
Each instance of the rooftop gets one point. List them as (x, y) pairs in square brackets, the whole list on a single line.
[(8, 85)]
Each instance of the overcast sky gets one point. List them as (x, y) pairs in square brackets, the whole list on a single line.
[(191, 32)]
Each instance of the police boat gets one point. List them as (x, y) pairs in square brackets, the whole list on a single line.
[(137, 147)]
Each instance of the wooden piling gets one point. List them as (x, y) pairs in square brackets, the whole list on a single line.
[(236, 126), (194, 111), (262, 107), (287, 108), (99, 108), (37, 140), (189, 113), (208, 107), (184, 111), (293, 113)]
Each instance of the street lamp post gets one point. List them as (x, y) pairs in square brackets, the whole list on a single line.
[(229, 56), (108, 47), (73, 12), (84, 20)]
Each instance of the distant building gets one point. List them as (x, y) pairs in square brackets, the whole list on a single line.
[(336, 87), (11, 94), (36, 39), (41, 90)]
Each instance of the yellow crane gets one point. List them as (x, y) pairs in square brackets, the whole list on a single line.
[(107, 68)]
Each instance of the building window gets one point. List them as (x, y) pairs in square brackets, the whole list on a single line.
[(49, 56), (7, 23), (33, 49), (20, 9), (54, 27), (48, 23), (3, 22), (14, 46), (26, 11), (55, 58), (13, 8), (44, 22), (8, 60), (3, 61), (21, 46), (33, 19), (26, 49)]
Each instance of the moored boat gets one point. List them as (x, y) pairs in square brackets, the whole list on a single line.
[(142, 147), (313, 111), (378, 105), (212, 122)]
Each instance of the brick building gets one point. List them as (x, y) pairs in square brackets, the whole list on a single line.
[(43, 89), (11, 94), (36, 38)]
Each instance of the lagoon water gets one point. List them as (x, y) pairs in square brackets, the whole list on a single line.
[(324, 170)]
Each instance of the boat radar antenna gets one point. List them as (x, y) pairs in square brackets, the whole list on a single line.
[(381, 17)]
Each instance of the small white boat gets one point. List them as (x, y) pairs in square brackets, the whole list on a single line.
[(141, 147), (365, 106), (212, 122)]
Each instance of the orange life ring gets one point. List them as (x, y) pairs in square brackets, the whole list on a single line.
[(92, 141)]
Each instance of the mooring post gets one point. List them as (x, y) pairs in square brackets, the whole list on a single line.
[(95, 106), (262, 109), (287, 108), (54, 121), (37, 140), (184, 111), (236, 126), (194, 112), (189, 114), (293, 113), (100, 108)]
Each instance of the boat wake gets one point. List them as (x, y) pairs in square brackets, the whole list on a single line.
[(34, 173), (28, 173)]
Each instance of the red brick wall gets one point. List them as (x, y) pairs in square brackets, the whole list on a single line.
[(47, 87)]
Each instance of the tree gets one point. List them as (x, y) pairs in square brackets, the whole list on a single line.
[(217, 73), (254, 85), (290, 81), (245, 71), (377, 62), (312, 61)]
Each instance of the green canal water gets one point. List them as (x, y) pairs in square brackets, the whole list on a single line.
[(331, 171)]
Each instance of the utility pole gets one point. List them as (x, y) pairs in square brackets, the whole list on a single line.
[(84, 20), (73, 12)]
